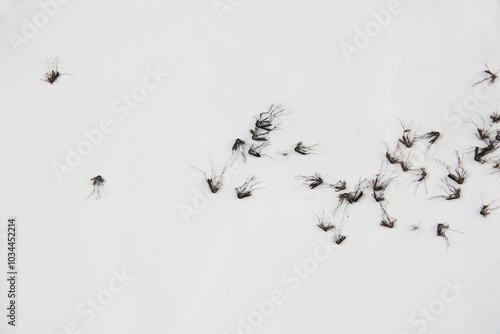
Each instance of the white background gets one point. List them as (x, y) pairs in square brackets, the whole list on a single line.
[(199, 275)]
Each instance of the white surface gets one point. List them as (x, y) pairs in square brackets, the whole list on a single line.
[(200, 277)]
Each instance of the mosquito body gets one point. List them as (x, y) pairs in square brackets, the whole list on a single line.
[(387, 220), (256, 150), (311, 181), (486, 209), (459, 174), (53, 72), (452, 192), (239, 149), (246, 190), (97, 184), (491, 77), (303, 149)]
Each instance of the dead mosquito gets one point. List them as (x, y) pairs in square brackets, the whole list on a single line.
[(215, 181), (432, 137), (265, 120), (405, 165), (481, 152), (247, 188), (311, 181), (53, 72), (256, 150), (387, 221), (452, 192), (482, 133), (441, 232), (486, 209), (239, 149), (351, 197), (394, 157), (324, 223), (422, 177), (495, 117), (460, 173), (338, 238), (97, 184), (379, 184), (415, 227), (259, 134), (491, 76), (303, 149), (339, 185), (408, 137)]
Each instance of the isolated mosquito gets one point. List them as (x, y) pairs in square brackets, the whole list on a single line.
[(486, 209), (247, 188), (215, 180), (460, 173), (53, 72), (97, 184)]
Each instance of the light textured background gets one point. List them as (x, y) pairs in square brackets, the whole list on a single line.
[(200, 277)]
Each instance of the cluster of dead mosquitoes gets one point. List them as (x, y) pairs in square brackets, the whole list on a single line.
[(488, 134), (401, 155)]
